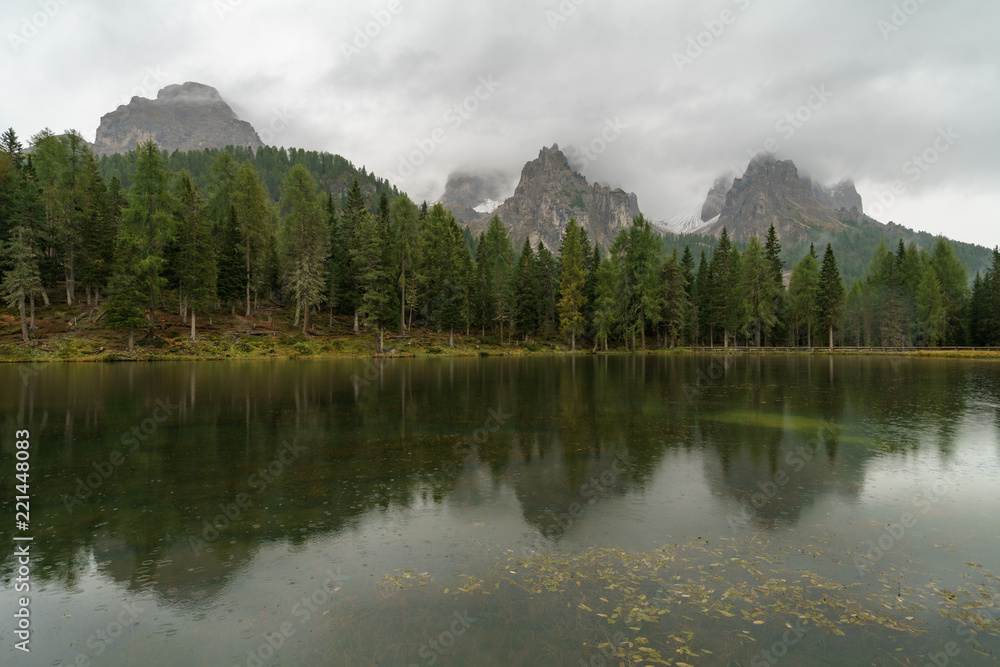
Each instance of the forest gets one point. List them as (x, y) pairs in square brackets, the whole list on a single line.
[(308, 236)]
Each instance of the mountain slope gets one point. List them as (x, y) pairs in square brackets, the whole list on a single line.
[(185, 117), (550, 193)]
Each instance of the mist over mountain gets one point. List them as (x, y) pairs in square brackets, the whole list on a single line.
[(183, 117)]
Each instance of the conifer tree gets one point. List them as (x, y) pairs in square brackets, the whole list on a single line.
[(196, 270), (803, 294), (526, 289), (306, 241), (572, 281), (830, 301), (21, 281)]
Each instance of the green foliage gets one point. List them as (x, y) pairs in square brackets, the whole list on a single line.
[(572, 278)]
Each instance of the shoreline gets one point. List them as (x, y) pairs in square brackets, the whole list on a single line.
[(229, 347)]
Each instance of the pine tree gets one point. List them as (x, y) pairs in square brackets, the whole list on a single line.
[(230, 263), (254, 215), (548, 287), (526, 289), (305, 240), (196, 270), (607, 308), (830, 301), (125, 298), (932, 316), (954, 284), (406, 248), (675, 298), (779, 297), (572, 281), (148, 218), (758, 289), (803, 294), (21, 281), (639, 248)]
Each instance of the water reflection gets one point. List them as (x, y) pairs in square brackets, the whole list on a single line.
[(172, 477)]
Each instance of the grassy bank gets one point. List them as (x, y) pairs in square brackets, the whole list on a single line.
[(272, 336)]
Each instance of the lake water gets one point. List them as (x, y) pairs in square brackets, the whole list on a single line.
[(739, 510)]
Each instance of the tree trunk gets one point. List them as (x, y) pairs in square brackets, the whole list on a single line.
[(88, 294), (24, 321), (725, 338), (97, 296), (131, 340), (402, 301), (356, 329), (248, 273), (831, 336), (298, 311), (31, 324), (194, 315), (305, 321), (451, 339), (572, 340), (381, 341)]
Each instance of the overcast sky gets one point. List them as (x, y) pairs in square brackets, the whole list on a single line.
[(684, 91)]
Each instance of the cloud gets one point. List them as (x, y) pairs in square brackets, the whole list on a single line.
[(567, 67)]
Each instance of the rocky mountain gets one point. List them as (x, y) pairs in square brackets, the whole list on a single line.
[(185, 117), (843, 195), (549, 194), (771, 192)]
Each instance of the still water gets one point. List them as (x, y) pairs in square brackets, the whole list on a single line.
[(547, 511)]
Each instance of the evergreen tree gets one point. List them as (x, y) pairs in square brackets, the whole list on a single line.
[(125, 299), (306, 241), (830, 301), (196, 270), (548, 287), (779, 297), (406, 247), (932, 316), (758, 290), (954, 284), (255, 218), (803, 294), (675, 298), (21, 281), (639, 248), (607, 308), (526, 289), (572, 281), (231, 263), (148, 218)]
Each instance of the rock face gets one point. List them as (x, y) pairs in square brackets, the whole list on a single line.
[(184, 117), (771, 192), (550, 193), (843, 195), (716, 199)]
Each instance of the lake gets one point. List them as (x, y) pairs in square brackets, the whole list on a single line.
[(694, 509)]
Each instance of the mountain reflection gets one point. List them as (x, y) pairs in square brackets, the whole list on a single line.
[(170, 477)]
